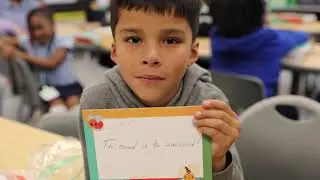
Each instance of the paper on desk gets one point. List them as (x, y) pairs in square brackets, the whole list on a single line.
[(297, 55), (146, 147)]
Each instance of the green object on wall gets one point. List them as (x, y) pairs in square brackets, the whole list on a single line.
[(282, 3)]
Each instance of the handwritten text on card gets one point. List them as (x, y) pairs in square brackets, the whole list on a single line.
[(138, 147)]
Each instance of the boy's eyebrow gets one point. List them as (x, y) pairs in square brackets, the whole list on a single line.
[(163, 31), (172, 31), (130, 30)]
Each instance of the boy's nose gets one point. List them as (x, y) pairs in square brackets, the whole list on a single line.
[(152, 57), (151, 61)]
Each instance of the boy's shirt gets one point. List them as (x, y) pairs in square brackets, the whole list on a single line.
[(196, 87), (17, 14), (61, 75), (258, 54)]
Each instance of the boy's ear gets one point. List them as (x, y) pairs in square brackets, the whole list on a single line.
[(194, 52), (113, 54)]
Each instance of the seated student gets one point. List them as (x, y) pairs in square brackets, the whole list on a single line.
[(16, 10), (50, 59), (155, 51), (242, 44)]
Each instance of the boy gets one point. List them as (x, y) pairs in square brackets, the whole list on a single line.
[(155, 51), (242, 44)]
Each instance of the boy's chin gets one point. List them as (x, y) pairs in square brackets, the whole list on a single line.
[(153, 100), (42, 42)]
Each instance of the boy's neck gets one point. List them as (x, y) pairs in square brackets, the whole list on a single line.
[(171, 98)]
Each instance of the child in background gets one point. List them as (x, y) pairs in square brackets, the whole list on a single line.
[(242, 44), (50, 58), (155, 51)]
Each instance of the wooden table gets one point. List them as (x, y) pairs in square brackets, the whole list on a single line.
[(312, 28), (309, 64), (18, 142), (71, 29)]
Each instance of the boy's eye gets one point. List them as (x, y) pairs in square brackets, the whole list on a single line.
[(133, 40), (172, 41)]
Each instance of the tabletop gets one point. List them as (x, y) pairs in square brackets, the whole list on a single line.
[(19, 141)]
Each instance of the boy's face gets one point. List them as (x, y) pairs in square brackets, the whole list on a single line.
[(153, 52)]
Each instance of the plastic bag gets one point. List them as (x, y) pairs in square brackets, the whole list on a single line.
[(62, 160), (59, 161)]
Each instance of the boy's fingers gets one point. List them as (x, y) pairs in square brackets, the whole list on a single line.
[(218, 114), (209, 131), (218, 125), (220, 105)]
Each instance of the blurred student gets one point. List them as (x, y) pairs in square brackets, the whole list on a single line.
[(50, 59), (242, 44)]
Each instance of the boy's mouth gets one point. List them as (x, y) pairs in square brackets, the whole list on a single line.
[(150, 77)]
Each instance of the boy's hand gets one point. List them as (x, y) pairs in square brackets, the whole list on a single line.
[(218, 121)]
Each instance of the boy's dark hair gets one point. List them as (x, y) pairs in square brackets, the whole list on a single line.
[(188, 9), (237, 18)]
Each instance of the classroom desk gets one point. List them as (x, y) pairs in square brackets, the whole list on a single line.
[(309, 64), (72, 29), (18, 142), (308, 8), (312, 28)]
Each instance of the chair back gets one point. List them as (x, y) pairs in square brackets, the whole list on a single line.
[(273, 146)]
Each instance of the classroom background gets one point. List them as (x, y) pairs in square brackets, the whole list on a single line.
[(25, 124)]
